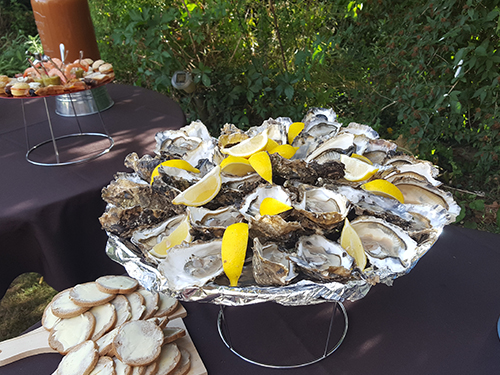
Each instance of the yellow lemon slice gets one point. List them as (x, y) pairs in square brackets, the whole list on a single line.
[(271, 206), (233, 251), (262, 165), (384, 188), (236, 166), (294, 130), (351, 242), (203, 191), (271, 144), (248, 147), (362, 158), (357, 170), (178, 235), (287, 151), (176, 163)]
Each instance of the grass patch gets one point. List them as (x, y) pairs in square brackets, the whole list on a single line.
[(23, 304)]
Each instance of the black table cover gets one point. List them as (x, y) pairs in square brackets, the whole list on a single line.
[(49, 215), (439, 319)]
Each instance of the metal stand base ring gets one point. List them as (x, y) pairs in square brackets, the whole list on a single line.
[(58, 163), (338, 305)]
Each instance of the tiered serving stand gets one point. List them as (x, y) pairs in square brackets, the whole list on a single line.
[(74, 105)]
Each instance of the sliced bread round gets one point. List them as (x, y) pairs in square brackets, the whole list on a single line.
[(169, 358), (71, 332), (105, 319), (138, 342), (137, 305), (122, 368), (166, 304), (122, 308), (117, 284), (88, 295), (81, 360), (104, 366), (184, 365), (49, 320), (63, 307), (151, 300)]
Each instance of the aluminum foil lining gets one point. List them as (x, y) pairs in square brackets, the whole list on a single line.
[(304, 292)]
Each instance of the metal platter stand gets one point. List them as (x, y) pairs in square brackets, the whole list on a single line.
[(95, 107), (340, 331)]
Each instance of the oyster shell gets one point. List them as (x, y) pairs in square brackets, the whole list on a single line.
[(322, 259), (386, 245), (192, 265), (270, 265), (322, 206), (146, 238), (330, 149), (207, 224)]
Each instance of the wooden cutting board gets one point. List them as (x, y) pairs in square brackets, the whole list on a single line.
[(36, 342)]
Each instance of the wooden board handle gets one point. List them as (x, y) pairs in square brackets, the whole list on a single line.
[(31, 343)]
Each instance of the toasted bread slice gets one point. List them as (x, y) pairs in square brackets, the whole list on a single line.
[(104, 366), (71, 332), (117, 284), (138, 342), (169, 358), (160, 321), (105, 343), (151, 300), (105, 319), (49, 320), (166, 304), (122, 368), (63, 307), (88, 295), (137, 305), (81, 360), (170, 334), (151, 369), (138, 370), (184, 365), (122, 308)]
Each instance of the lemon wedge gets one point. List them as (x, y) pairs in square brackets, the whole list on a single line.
[(384, 188), (294, 130), (362, 158), (236, 166), (357, 170), (176, 237), (272, 206), (271, 144), (285, 151), (351, 242), (203, 191), (248, 147), (176, 163), (261, 162), (233, 251)]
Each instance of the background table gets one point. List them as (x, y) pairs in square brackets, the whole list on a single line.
[(49, 215), (439, 319)]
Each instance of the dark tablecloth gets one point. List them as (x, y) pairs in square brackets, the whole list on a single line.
[(439, 319), (49, 215)]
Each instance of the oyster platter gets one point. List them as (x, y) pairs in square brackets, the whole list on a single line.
[(329, 211)]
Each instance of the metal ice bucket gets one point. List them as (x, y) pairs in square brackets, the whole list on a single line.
[(83, 103)]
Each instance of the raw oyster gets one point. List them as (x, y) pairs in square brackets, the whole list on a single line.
[(322, 259), (321, 117), (419, 192), (132, 204), (386, 245), (270, 265), (192, 265), (276, 130), (207, 224), (330, 149), (146, 239), (322, 206), (378, 149)]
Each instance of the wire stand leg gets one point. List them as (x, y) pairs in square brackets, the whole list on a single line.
[(224, 333), (56, 151)]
